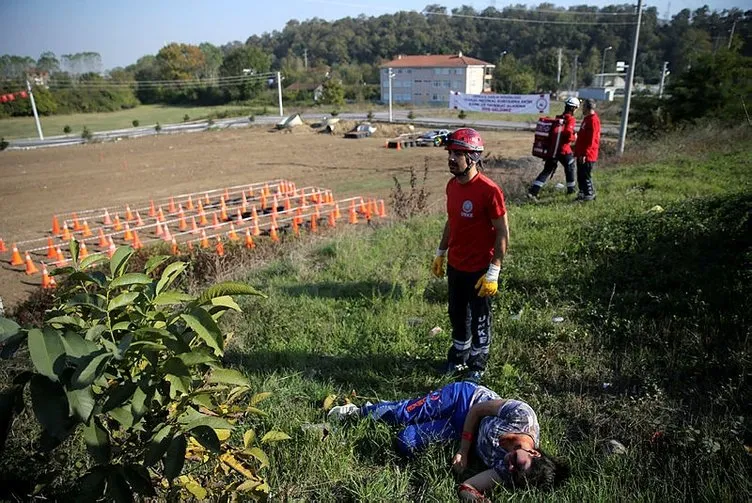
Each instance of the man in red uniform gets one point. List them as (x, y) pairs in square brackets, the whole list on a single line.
[(586, 150), (476, 235), (563, 156)]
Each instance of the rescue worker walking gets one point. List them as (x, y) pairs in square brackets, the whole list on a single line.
[(563, 156), (586, 150), (475, 235)]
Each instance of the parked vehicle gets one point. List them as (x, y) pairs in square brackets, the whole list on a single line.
[(435, 138)]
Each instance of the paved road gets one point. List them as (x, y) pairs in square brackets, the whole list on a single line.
[(399, 117)]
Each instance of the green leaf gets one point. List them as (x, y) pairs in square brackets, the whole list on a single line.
[(73, 247), (206, 328), (46, 349), (253, 410), (92, 484), (124, 299), (226, 301), (60, 271), (248, 485), (123, 416), (172, 297), (141, 401), (76, 346), (91, 260), (175, 457), (274, 436), (179, 377), (202, 400), (10, 346), (207, 437), (138, 478), (118, 488), (61, 321), (90, 300), (248, 437), (83, 277), (169, 275), (81, 402), (119, 260), (50, 405), (95, 332), (119, 395), (155, 262), (228, 376), (197, 357), (97, 442), (131, 278), (8, 329), (227, 288), (260, 397), (258, 454), (121, 326), (158, 445), (192, 418), (90, 368)]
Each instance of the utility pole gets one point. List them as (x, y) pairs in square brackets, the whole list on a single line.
[(603, 65), (390, 75), (630, 79), (34, 109), (305, 57), (279, 93), (731, 36), (558, 68), (574, 73), (664, 72)]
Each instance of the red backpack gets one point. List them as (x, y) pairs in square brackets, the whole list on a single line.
[(547, 137)]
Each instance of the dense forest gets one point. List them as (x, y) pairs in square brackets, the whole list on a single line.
[(523, 42)]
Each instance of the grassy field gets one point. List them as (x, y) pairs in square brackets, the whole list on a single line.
[(24, 127), (652, 281)]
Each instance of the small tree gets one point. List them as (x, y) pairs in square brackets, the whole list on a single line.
[(3, 144), (66, 129), (411, 115), (86, 134), (158, 127), (186, 118), (462, 114), (370, 115), (333, 93), (135, 123)]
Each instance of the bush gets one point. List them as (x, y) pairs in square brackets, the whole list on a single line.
[(186, 118), (135, 123), (158, 127), (210, 122), (66, 129), (411, 115), (86, 134), (134, 366), (265, 111), (370, 115), (251, 118), (334, 113), (407, 204), (462, 114), (3, 144)]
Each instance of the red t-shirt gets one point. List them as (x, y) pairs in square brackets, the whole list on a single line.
[(567, 134), (589, 138), (471, 207)]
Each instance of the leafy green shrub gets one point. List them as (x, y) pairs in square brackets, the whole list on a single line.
[(135, 123), (265, 111), (411, 115), (334, 113), (158, 127), (86, 134), (251, 118), (186, 118), (3, 144), (370, 115), (66, 129), (134, 365), (462, 114), (210, 122)]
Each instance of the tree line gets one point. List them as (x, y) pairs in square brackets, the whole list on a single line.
[(536, 49)]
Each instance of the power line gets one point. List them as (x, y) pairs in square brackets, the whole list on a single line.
[(530, 21), (227, 81), (574, 13)]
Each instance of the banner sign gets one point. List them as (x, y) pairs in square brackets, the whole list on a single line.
[(500, 103)]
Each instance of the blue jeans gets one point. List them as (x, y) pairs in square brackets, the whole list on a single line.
[(438, 416)]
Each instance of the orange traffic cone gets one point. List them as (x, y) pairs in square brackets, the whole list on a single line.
[(239, 216), (116, 223), (227, 194), (45, 277), (137, 244), (53, 283), (204, 239), (139, 220), (223, 213), (295, 226), (332, 222), (256, 230), (83, 252), (287, 204), (102, 239), (55, 226), (50, 248), (202, 221), (60, 259), (128, 236), (362, 206), (66, 233), (263, 201), (87, 232), (128, 213), (215, 221), (250, 192), (106, 220), (194, 227), (111, 248), (160, 215), (174, 247), (314, 223), (76, 223), (158, 230), (171, 206), (382, 209), (30, 267), (249, 240), (232, 234), (190, 246), (182, 225), (273, 234), (206, 198), (189, 204), (266, 190), (337, 214), (220, 247), (298, 218), (15, 258), (302, 198), (244, 206), (353, 215), (152, 209), (2, 246), (167, 235)]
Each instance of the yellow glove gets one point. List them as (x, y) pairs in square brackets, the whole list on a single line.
[(489, 284), (437, 267)]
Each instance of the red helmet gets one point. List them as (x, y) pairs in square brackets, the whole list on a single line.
[(465, 139)]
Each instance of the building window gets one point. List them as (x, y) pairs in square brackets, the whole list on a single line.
[(437, 71), (457, 84), (445, 84), (459, 71)]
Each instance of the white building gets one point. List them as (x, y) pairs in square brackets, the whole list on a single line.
[(427, 80)]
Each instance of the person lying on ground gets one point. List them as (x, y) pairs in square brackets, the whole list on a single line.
[(503, 433)]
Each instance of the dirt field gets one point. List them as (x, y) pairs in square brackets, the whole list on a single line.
[(37, 184)]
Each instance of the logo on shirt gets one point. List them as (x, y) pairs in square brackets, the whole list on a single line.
[(467, 209)]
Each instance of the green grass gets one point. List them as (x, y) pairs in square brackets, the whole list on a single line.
[(653, 350), (147, 115)]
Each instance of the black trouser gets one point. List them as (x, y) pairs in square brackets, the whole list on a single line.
[(584, 178), (549, 168), (470, 316)]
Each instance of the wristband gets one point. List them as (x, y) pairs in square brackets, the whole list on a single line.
[(492, 275), (440, 252), (466, 435), (470, 489)]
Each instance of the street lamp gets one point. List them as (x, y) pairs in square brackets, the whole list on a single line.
[(603, 66), (390, 76), (501, 59)]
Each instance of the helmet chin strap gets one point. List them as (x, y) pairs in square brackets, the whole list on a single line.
[(469, 163)]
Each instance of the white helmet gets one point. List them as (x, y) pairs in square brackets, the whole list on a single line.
[(572, 102)]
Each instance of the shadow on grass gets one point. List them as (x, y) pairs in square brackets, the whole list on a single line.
[(669, 294), (345, 290)]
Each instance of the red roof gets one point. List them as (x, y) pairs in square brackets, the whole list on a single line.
[(434, 60)]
